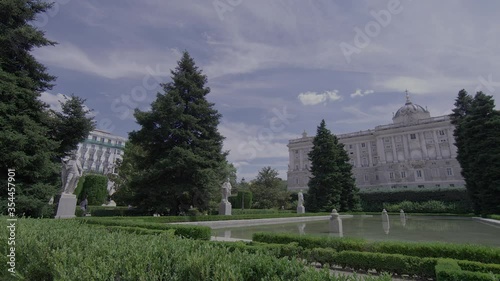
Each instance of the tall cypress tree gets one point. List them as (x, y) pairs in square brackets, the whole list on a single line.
[(477, 134), (332, 185), (183, 163)]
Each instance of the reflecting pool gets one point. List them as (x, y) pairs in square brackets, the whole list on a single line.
[(413, 228)]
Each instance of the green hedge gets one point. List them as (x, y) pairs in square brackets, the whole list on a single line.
[(79, 186), (380, 262), (194, 232), (374, 201), (70, 250), (450, 270), (431, 206), (433, 249), (103, 211), (237, 212), (95, 187), (236, 200)]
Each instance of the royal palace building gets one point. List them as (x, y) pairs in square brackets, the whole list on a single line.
[(415, 151), (100, 151)]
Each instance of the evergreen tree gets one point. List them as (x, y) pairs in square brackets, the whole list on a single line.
[(477, 134), (28, 142), (183, 163), (268, 190), (331, 185)]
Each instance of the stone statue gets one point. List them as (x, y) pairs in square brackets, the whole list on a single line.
[(226, 191), (225, 207), (300, 204), (301, 199), (71, 172)]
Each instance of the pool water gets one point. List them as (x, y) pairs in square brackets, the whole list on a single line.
[(413, 228)]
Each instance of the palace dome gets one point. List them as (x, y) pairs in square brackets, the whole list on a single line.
[(410, 112)]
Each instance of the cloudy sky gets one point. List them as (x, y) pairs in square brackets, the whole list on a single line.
[(276, 68)]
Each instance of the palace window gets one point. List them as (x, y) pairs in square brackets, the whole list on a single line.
[(449, 171), (452, 185), (366, 177), (420, 186), (391, 175), (438, 185), (441, 132), (363, 144), (94, 138), (350, 146), (413, 136), (403, 174), (419, 173)]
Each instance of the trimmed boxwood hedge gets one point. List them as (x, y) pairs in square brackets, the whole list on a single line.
[(380, 262), (374, 201), (95, 187), (194, 231), (434, 249), (71, 250), (450, 270)]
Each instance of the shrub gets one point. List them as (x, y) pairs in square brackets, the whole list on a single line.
[(243, 196), (449, 270), (79, 186), (194, 232), (69, 250), (95, 187), (434, 249), (374, 201), (432, 206)]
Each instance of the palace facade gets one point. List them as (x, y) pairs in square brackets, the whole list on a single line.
[(416, 151), (100, 151)]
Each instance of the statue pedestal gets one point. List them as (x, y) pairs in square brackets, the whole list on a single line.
[(301, 210), (225, 208), (67, 206)]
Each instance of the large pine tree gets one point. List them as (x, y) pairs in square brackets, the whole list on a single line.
[(32, 138), (183, 163), (332, 185), (477, 136)]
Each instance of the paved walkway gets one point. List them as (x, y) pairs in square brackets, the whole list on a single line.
[(488, 221), (252, 222)]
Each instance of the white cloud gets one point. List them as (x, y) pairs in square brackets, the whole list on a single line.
[(314, 98), (114, 64), (360, 93), (440, 85), (249, 142), (54, 101)]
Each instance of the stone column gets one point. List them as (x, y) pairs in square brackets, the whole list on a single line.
[(358, 156), (394, 154), (406, 146), (370, 161), (381, 150), (423, 144), (438, 147)]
